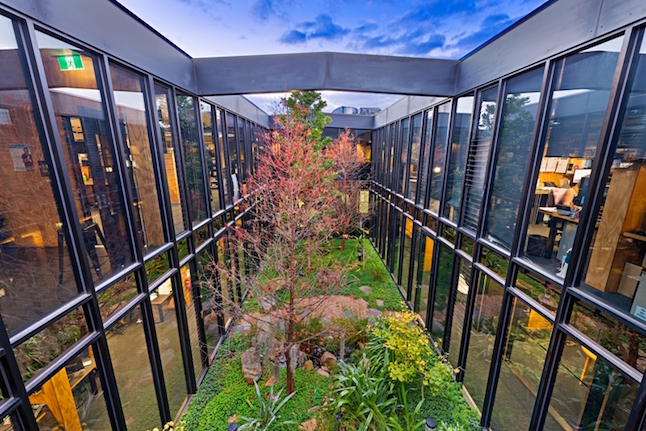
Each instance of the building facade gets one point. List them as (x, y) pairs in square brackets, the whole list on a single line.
[(507, 194)]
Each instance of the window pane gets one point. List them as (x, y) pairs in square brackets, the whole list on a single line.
[(439, 155), (397, 219), (207, 285), (133, 126), (224, 166), (211, 156), (426, 158), (524, 351), (588, 393), (626, 343), (156, 267), (72, 397), (484, 324), (227, 290), (476, 170), (414, 156), (617, 256), (542, 291), (233, 155), (192, 157), (514, 145), (171, 158), (131, 363), (577, 105), (406, 254), (459, 310), (402, 163), (115, 297), (163, 305), (458, 157), (494, 262), (442, 289), (89, 154), (41, 349), (242, 149), (194, 334), (36, 272), (425, 263)]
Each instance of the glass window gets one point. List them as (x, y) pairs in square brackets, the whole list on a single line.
[(524, 352), (514, 145), (449, 233), (227, 288), (622, 341), (467, 244), (192, 157), (207, 285), (617, 255), (459, 310), (476, 170), (36, 272), (414, 156), (131, 108), (494, 262), (436, 164), (406, 255), (224, 165), (72, 397), (163, 305), (157, 267), (242, 149), (211, 156), (396, 243), (402, 164), (588, 393), (458, 157), (426, 158), (577, 106), (537, 287), (484, 324), (115, 297), (425, 267), (191, 316), (41, 349), (131, 364), (171, 157), (89, 154), (442, 290), (233, 155)]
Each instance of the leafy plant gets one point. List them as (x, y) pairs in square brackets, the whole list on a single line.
[(409, 416), (267, 412), (365, 395)]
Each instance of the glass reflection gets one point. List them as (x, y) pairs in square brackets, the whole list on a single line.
[(192, 157), (191, 317), (406, 255), (514, 145), (436, 164), (36, 272), (458, 157), (459, 310), (413, 170), (588, 394), (133, 126), (115, 297), (524, 352), (72, 399), (478, 157), (442, 289), (211, 156), (425, 246), (402, 164), (89, 154), (577, 106), (484, 325), (171, 157), (207, 285), (425, 162), (224, 165), (131, 364), (163, 305), (545, 293)]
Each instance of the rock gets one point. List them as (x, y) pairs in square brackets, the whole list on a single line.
[(379, 302), (308, 366), (349, 314), (324, 368), (366, 289), (295, 357), (373, 312), (313, 409), (325, 321), (323, 373), (251, 368), (264, 324), (309, 425), (328, 359), (267, 303)]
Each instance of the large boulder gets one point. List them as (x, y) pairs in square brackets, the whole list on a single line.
[(251, 368)]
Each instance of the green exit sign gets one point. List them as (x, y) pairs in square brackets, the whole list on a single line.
[(70, 62)]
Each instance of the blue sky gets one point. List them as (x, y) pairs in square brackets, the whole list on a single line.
[(420, 28)]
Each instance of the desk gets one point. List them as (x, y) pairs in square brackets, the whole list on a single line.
[(551, 211), (159, 302)]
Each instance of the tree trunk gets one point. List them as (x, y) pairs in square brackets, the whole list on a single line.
[(291, 385)]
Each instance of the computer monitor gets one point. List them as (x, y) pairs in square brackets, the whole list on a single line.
[(583, 189)]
